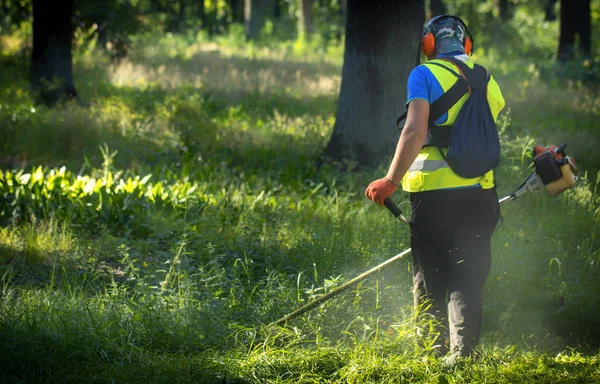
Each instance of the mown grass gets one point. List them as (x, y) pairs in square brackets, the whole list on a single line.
[(193, 209)]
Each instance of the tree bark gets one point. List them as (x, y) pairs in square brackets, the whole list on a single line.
[(176, 15), (436, 7), (269, 9), (51, 58), (180, 21), (566, 39), (380, 48), (575, 20), (504, 10), (237, 11), (343, 16), (277, 10), (549, 13), (305, 18), (157, 6), (584, 27), (253, 18), (201, 11), (344, 9)]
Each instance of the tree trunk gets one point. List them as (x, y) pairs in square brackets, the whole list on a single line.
[(181, 24), (380, 48), (269, 8), (157, 6), (504, 10), (253, 18), (237, 11), (277, 10), (343, 15), (305, 18), (176, 15), (574, 20), (566, 39), (584, 27), (201, 11), (344, 9), (51, 58), (436, 8), (550, 14)]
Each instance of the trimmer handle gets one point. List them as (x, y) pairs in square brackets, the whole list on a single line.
[(561, 149), (389, 204)]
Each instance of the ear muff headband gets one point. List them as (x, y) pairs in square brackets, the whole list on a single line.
[(428, 39)]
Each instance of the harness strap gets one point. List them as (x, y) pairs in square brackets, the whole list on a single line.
[(444, 102), (467, 80), (440, 136)]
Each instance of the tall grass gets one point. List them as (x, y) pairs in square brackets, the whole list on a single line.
[(151, 235)]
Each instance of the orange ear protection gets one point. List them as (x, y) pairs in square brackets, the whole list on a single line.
[(428, 39)]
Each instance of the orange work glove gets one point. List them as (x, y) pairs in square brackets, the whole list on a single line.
[(379, 190)]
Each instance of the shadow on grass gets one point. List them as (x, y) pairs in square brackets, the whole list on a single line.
[(38, 355)]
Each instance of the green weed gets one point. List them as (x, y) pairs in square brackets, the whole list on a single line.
[(151, 235)]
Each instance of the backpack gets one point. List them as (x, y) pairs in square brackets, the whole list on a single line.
[(472, 141)]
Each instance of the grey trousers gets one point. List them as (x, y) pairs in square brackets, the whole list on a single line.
[(451, 232)]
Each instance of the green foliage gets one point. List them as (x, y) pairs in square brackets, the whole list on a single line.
[(150, 236), (15, 11), (117, 18), (526, 35), (110, 199)]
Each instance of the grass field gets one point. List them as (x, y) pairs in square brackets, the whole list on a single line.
[(149, 235)]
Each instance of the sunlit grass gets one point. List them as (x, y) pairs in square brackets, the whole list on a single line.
[(223, 67), (37, 243), (236, 76), (192, 211)]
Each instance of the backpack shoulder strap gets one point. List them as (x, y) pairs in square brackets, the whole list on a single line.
[(450, 97), (442, 104), (443, 66), (476, 77)]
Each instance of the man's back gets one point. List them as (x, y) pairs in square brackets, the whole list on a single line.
[(429, 81)]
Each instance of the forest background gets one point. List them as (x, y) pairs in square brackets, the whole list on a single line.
[(175, 175)]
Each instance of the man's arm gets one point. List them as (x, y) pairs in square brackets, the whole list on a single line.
[(410, 143), (411, 140)]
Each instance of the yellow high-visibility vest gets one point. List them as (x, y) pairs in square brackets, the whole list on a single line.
[(429, 171)]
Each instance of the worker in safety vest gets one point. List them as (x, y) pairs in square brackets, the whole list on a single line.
[(453, 218)]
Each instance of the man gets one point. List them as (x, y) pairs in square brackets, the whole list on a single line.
[(453, 218)]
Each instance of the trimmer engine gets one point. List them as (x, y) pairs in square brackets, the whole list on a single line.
[(555, 169)]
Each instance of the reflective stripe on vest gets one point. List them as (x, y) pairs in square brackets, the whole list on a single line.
[(429, 171), (428, 165)]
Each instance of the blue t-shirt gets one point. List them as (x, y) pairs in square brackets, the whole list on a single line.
[(423, 85)]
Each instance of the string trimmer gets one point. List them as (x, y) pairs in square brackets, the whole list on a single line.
[(554, 173)]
